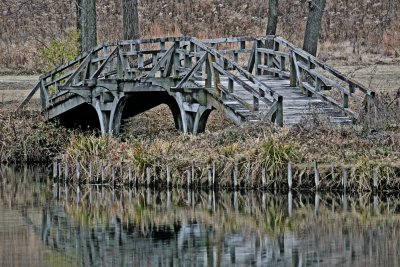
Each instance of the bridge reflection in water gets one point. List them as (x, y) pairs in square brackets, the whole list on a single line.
[(99, 226)]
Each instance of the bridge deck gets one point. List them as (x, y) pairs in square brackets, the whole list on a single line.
[(297, 106), (250, 78)]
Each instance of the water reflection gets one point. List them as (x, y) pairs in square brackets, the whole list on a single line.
[(43, 223)]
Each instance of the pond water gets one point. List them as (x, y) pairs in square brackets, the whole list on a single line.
[(46, 224)]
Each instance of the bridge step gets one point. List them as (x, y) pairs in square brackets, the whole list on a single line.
[(296, 106)]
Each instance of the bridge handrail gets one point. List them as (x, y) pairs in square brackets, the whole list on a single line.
[(111, 44), (312, 59), (241, 70)]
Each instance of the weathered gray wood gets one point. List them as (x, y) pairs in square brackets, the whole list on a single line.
[(29, 96), (316, 175), (290, 176), (228, 86)]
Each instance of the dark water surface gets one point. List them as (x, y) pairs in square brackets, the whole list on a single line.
[(42, 224)]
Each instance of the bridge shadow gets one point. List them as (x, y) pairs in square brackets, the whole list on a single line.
[(83, 117)]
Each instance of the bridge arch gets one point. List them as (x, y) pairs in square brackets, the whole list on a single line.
[(83, 116), (137, 103)]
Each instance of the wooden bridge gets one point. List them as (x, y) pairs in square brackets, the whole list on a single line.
[(250, 78)]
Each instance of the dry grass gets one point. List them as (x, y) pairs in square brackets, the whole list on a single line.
[(153, 143), (32, 25)]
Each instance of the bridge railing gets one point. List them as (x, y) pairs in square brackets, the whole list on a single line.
[(273, 55), (233, 64)]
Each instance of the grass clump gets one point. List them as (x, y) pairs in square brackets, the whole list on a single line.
[(276, 154)]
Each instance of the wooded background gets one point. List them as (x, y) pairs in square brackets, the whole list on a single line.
[(365, 26)]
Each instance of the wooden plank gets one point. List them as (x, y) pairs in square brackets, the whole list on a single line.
[(82, 66), (325, 67), (283, 74), (273, 52), (240, 82), (102, 66), (196, 67), (165, 57), (328, 81), (329, 100), (29, 96)]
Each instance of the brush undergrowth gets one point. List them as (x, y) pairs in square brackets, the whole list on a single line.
[(24, 137)]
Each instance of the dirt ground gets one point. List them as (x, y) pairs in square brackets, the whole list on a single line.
[(15, 88)]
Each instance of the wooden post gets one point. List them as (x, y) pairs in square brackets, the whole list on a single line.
[(66, 171), (102, 173), (78, 193), (236, 57), (235, 175), (188, 178), (345, 100), (210, 177), (176, 60), (279, 112), (290, 177), (293, 73), (317, 200), (344, 179), (256, 103), (290, 203), (113, 176), (193, 172), (213, 174), (230, 85), (78, 171), (130, 176), (148, 174), (375, 204), (257, 60), (168, 176), (55, 170), (263, 177), (316, 175), (90, 172), (375, 178), (121, 171)]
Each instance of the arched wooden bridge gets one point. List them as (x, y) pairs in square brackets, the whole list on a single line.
[(250, 78)]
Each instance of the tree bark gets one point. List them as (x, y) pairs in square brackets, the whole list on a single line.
[(130, 19), (272, 17), (88, 31), (316, 11), (78, 4)]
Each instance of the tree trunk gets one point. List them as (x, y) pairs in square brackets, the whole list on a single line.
[(316, 11), (130, 19), (78, 4), (272, 17), (88, 31)]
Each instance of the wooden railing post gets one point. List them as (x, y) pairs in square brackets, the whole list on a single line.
[(208, 82), (293, 73), (230, 85), (271, 63), (176, 61), (258, 56), (120, 66), (256, 103), (279, 112), (345, 100)]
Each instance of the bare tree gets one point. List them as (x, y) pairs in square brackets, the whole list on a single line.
[(130, 19), (316, 11), (86, 23)]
